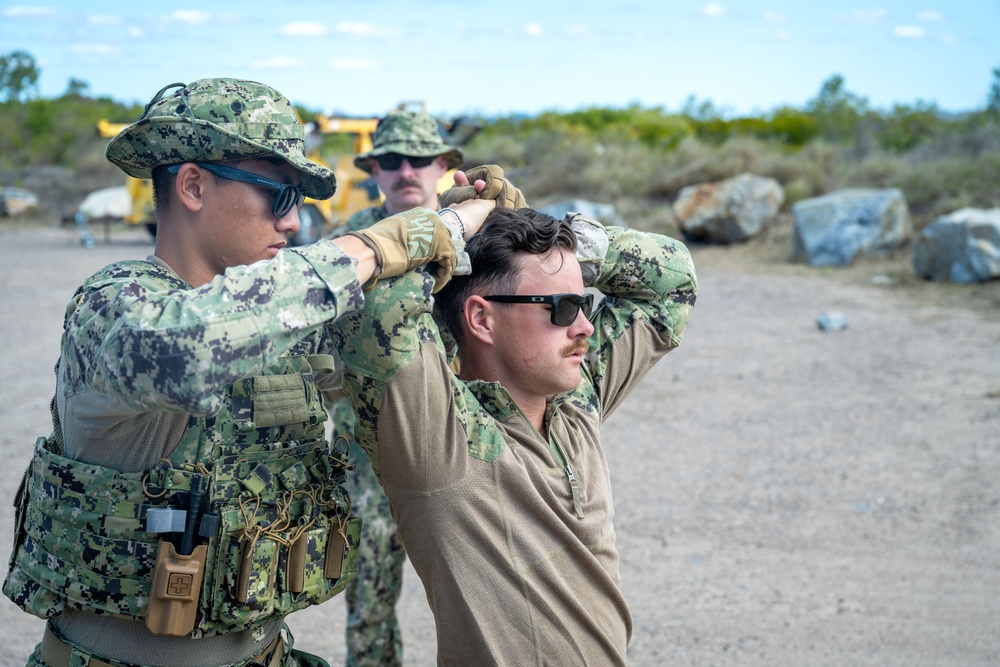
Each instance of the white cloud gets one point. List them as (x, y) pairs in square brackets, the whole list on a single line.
[(365, 30), (782, 36), (908, 31), (303, 29), (774, 17), (277, 62), (714, 10), (135, 31), (866, 16), (191, 16), (930, 16), (578, 30), (104, 20), (534, 29), (353, 63), (23, 12), (95, 49)]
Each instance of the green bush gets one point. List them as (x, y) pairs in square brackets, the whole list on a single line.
[(906, 126), (52, 131)]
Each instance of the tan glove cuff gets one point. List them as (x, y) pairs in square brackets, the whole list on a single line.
[(411, 239)]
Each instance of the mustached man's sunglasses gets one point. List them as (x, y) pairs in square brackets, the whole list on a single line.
[(288, 197), (393, 161), (564, 307)]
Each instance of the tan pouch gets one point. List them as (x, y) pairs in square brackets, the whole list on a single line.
[(173, 599)]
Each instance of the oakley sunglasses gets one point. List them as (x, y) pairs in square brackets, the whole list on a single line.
[(393, 161), (288, 196), (563, 307)]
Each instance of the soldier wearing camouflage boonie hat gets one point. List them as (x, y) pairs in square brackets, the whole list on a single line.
[(218, 120), (187, 498), (411, 134)]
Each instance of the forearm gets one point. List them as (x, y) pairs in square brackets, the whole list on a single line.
[(649, 289), (387, 332), (651, 273), (367, 263), (401, 389), (161, 346)]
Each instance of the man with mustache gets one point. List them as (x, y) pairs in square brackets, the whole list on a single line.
[(496, 475), (408, 157)]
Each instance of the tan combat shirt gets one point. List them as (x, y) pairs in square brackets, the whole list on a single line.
[(510, 533)]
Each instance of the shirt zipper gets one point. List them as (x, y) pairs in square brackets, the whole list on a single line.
[(575, 490)]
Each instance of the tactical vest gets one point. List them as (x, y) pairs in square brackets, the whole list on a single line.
[(284, 539)]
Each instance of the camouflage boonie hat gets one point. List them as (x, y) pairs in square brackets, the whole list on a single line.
[(218, 120), (408, 133)]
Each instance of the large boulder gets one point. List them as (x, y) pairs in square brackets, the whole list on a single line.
[(603, 213), (728, 211), (831, 230), (963, 247)]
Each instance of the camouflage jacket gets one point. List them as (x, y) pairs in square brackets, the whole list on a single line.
[(511, 533), (159, 384)]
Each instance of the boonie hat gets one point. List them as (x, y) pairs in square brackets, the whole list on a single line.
[(218, 120), (408, 133)]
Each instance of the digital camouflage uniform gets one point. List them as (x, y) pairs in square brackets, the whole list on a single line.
[(373, 636), (511, 533), (165, 391)]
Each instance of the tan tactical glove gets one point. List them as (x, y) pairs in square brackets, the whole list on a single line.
[(411, 239), (497, 187)]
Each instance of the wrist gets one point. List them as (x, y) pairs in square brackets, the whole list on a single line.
[(452, 215)]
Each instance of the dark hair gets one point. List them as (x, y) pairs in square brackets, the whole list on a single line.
[(496, 252), (162, 185)]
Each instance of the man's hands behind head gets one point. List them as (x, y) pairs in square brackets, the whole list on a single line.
[(473, 213), (495, 187)]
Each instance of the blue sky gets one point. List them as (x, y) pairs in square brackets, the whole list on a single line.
[(362, 57)]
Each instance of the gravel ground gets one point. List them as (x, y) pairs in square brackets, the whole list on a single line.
[(785, 496)]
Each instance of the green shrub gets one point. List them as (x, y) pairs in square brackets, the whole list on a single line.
[(904, 127)]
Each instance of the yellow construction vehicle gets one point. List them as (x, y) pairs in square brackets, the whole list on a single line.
[(355, 188), (140, 190)]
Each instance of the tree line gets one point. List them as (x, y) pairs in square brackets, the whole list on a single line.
[(645, 154)]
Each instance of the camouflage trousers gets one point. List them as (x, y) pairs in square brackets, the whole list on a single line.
[(373, 634), (291, 658)]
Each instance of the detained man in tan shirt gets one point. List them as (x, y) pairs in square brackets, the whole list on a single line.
[(496, 476)]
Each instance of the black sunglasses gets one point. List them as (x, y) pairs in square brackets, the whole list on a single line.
[(288, 197), (564, 307), (393, 161)]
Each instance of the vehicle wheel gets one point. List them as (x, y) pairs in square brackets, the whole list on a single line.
[(310, 226), (151, 228)]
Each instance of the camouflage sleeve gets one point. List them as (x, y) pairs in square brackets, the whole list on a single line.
[(395, 327), (649, 287), (137, 333)]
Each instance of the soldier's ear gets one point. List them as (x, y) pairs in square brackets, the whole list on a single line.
[(478, 316), (189, 186)]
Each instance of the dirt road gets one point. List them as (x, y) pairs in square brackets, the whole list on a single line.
[(784, 496)]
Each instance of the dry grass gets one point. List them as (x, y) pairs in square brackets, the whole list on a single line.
[(948, 171)]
